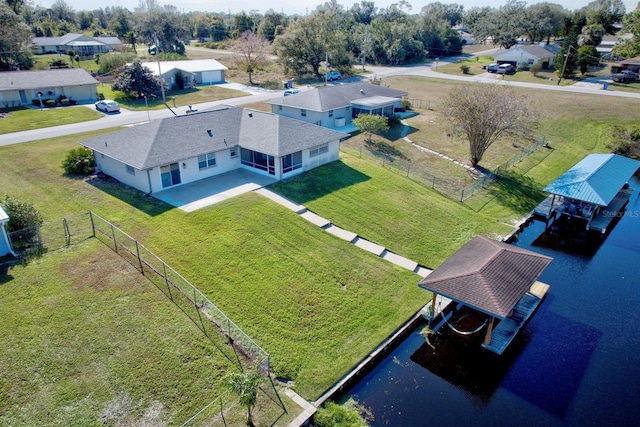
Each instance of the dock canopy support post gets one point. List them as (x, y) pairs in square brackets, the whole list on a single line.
[(487, 338)]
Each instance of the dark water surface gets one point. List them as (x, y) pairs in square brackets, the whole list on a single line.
[(576, 363)]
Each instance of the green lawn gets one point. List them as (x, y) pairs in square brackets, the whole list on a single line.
[(175, 98), (21, 118), (316, 303)]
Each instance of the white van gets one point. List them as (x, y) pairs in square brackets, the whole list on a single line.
[(506, 69)]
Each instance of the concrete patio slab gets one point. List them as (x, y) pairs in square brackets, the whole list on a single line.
[(209, 191)]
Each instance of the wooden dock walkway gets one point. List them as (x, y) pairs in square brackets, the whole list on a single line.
[(507, 329)]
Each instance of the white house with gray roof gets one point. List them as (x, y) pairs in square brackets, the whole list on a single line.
[(527, 55), (195, 72), (22, 87), (178, 150), (335, 106), (81, 44)]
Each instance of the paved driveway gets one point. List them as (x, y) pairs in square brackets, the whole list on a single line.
[(208, 191)]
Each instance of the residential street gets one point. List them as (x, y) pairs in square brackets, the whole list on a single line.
[(126, 117)]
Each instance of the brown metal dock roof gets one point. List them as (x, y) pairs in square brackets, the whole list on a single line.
[(487, 275)]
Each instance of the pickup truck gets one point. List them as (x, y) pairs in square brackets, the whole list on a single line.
[(625, 76)]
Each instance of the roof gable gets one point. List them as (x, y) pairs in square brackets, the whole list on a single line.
[(172, 139), (191, 66), (487, 275), (336, 96), (595, 179)]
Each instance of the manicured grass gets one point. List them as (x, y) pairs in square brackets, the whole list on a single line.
[(21, 119), (316, 303), (179, 98), (81, 326)]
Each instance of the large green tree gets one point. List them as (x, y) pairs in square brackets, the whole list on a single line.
[(245, 386), (136, 81), (15, 40), (370, 124)]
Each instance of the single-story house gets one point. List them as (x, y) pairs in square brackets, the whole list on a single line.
[(335, 106), (82, 44), (178, 150), (632, 64), (609, 41), (195, 72), (22, 87), (5, 243), (527, 55)]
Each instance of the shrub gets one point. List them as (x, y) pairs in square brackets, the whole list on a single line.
[(464, 68), (50, 103), (347, 415), (406, 104), (22, 215), (110, 63), (65, 102), (535, 69), (79, 161)]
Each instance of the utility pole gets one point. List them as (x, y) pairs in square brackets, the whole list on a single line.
[(159, 71), (566, 57)]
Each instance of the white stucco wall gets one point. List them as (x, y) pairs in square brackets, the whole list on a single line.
[(118, 170)]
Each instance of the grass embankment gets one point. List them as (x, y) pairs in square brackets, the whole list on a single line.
[(315, 303)]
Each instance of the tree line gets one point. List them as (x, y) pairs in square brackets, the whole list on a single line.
[(390, 35)]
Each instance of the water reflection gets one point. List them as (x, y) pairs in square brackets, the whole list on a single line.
[(576, 363)]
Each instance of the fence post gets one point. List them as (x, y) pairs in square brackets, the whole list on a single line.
[(113, 236), (433, 182), (67, 233), (139, 260), (462, 195), (166, 281), (93, 225), (408, 169)]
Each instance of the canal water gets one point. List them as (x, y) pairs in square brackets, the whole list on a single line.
[(576, 363)]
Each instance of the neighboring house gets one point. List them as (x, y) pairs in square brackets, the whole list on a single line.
[(632, 64), (524, 56), (178, 150), (335, 106), (5, 242), (608, 42), (81, 44), (195, 72), (22, 87)]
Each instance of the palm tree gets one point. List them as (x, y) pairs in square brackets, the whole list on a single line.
[(245, 386)]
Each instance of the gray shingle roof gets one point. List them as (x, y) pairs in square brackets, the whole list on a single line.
[(172, 139), (335, 97), (21, 80), (71, 37), (487, 275)]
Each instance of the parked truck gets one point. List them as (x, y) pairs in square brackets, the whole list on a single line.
[(624, 76)]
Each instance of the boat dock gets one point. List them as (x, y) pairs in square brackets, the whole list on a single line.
[(549, 206), (613, 210), (508, 328)]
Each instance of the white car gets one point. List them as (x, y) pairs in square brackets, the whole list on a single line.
[(291, 92), (107, 106)]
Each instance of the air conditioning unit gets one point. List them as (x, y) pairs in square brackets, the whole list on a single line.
[(340, 121)]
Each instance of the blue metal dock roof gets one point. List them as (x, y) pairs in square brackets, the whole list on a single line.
[(595, 179)]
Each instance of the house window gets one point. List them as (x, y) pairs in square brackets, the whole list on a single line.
[(292, 162), (330, 113), (131, 170), (258, 160), (319, 123), (316, 151), (170, 175), (206, 160), (303, 113), (280, 107), (234, 152), (531, 61)]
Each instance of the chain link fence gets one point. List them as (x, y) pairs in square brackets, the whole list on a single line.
[(423, 176), (217, 326)]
